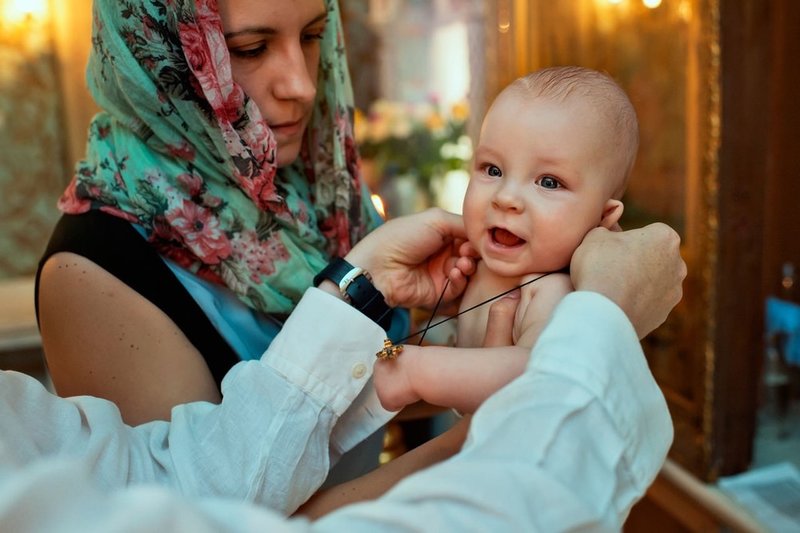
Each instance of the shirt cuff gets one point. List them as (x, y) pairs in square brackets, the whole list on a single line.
[(327, 349)]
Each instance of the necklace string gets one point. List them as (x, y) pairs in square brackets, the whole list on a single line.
[(441, 296)]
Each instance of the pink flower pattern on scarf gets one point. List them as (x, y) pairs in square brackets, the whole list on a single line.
[(183, 152)]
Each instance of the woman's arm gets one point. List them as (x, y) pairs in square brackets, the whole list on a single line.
[(104, 339)]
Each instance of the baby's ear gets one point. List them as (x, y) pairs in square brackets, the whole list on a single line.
[(612, 212)]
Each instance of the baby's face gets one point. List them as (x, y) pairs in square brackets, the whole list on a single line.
[(542, 177)]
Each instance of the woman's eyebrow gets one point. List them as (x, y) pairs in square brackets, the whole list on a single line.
[(266, 30), (254, 30), (322, 16)]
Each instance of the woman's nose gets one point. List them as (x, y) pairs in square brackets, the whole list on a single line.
[(294, 82)]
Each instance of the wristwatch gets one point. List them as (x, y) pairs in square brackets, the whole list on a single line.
[(355, 286)]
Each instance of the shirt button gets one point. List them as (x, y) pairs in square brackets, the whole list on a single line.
[(359, 370)]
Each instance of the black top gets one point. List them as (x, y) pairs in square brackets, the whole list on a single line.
[(116, 246)]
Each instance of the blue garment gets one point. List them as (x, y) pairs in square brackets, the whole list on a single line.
[(247, 331), (784, 317)]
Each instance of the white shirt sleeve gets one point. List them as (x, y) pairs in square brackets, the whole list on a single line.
[(570, 445), (267, 442)]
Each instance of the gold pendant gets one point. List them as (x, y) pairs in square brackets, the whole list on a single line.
[(389, 350)]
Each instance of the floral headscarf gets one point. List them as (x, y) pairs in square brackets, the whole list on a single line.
[(181, 150)]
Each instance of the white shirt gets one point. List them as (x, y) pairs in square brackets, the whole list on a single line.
[(571, 444)]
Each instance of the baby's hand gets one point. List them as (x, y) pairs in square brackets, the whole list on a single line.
[(393, 382)]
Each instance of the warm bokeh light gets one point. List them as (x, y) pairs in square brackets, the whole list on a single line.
[(25, 28), (450, 71), (378, 203), (652, 4), (18, 11), (685, 10)]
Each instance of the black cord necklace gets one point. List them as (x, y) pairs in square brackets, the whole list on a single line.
[(391, 351)]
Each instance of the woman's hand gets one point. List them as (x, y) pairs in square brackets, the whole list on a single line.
[(410, 258), (641, 270)]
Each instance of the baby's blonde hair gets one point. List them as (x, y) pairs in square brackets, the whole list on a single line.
[(561, 83)]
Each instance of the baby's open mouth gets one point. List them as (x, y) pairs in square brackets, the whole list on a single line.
[(504, 237)]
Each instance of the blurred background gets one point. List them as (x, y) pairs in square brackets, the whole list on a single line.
[(713, 84)]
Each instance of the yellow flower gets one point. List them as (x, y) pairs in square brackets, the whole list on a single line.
[(460, 111), (434, 122), (360, 126)]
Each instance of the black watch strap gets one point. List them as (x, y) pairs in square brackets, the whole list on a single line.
[(357, 289)]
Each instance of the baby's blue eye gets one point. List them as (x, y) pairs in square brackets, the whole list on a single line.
[(494, 172), (549, 182)]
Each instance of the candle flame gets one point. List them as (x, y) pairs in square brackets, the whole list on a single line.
[(378, 203)]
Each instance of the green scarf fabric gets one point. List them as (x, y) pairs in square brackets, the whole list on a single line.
[(180, 150)]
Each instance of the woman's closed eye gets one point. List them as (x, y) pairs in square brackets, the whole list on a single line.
[(257, 49), (313, 35), (249, 51), (548, 182)]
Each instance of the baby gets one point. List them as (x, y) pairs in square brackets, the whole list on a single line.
[(552, 162)]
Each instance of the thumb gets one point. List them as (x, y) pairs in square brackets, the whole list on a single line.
[(500, 325)]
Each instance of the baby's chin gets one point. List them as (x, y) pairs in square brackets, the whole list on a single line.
[(507, 270), (504, 269)]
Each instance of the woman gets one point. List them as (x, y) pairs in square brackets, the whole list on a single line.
[(201, 156), (220, 177)]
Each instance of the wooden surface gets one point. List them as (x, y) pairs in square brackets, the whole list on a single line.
[(678, 502)]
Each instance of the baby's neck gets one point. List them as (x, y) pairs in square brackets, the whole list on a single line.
[(499, 280), (492, 282)]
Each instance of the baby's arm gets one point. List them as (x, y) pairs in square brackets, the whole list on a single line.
[(463, 378)]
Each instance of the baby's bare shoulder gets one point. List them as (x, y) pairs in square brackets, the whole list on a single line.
[(538, 301), (556, 282)]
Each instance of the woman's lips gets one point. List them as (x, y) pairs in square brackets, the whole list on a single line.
[(287, 129), (505, 238)]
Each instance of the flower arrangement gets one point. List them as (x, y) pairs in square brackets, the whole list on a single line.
[(401, 138)]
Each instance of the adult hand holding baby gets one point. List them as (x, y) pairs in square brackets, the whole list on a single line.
[(641, 270), (411, 258)]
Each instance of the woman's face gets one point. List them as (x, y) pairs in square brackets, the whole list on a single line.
[(274, 47)]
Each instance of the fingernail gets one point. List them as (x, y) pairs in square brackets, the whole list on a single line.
[(513, 295)]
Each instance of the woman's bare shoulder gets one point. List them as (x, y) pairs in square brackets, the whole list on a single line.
[(102, 338)]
